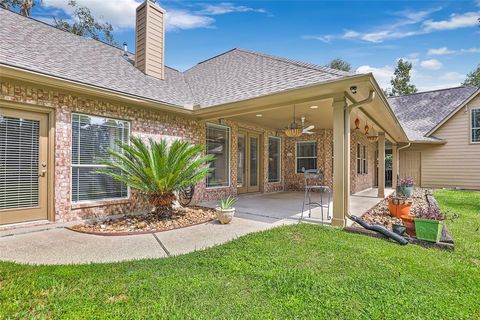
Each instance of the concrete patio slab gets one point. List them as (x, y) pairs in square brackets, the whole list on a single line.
[(63, 246), (51, 243)]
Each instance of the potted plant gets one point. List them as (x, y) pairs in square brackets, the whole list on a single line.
[(405, 187), (429, 223), (399, 207), (225, 209)]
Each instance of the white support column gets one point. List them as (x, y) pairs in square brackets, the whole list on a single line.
[(341, 161), (381, 164), (394, 166)]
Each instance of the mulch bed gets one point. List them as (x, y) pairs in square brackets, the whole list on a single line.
[(380, 214), (148, 223)]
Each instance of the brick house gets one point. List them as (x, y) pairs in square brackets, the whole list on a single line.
[(65, 99)]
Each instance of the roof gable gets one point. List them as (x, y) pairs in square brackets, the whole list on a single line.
[(421, 112)]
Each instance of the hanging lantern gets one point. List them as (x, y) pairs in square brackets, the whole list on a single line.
[(372, 138), (357, 124), (294, 130), (366, 129)]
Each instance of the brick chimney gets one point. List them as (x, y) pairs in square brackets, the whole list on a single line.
[(150, 39)]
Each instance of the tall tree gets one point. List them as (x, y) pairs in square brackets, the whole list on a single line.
[(473, 78), (24, 7), (401, 82), (84, 24), (339, 64)]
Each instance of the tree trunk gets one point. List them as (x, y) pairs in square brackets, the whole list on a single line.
[(162, 201)]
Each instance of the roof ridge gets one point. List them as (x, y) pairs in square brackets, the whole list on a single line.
[(298, 63), (434, 90)]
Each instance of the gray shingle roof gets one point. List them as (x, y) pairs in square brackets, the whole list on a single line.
[(235, 75), (241, 74), (419, 113)]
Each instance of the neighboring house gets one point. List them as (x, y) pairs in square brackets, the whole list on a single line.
[(65, 100), (444, 129)]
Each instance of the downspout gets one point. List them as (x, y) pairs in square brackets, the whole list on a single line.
[(398, 157)]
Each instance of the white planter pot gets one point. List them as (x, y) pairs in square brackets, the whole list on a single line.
[(225, 215)]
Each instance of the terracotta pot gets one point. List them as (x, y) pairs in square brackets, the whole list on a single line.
[(409, 223), (400, 209), (225, 216)]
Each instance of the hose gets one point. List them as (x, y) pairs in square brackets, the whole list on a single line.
[(380, 229)]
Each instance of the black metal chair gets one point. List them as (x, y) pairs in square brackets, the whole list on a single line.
[(313, 183)]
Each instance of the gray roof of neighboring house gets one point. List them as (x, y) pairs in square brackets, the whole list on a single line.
[(419, 113), (235, 75)]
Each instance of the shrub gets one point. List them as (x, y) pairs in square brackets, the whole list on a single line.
[(156, 169)]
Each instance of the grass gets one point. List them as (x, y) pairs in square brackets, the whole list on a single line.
[(301, 271)]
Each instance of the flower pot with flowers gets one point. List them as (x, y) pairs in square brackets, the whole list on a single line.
[(429, 223), (405, 187)]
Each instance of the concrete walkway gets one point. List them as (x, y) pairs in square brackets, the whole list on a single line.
[(53, 244)]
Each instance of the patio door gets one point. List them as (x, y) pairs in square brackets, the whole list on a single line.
[(23, 166), (248, 161)]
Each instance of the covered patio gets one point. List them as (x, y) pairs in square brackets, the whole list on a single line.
[(287, 206), (346, 127)]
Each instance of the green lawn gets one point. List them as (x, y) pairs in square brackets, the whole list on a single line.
[(301, 271)]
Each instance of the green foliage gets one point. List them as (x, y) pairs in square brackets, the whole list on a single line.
[(228, 203), (473, 78), (24, 7), (84, 24), (339, 64), (301, 271), (156, 168), (401, 82)]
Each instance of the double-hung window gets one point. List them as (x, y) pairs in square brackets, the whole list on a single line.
[(475, 114), (364, 160), (274, 153), (218, 145), (92, 137), (359, 159), (306, 155)]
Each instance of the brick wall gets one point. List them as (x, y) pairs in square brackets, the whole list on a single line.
[(153, 123)]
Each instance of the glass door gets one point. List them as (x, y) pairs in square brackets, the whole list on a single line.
[(23, 166), (248, 162)]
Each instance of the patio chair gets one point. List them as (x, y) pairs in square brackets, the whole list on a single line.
[(313, 183)]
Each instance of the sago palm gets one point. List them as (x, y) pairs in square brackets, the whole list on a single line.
[(157, 169)]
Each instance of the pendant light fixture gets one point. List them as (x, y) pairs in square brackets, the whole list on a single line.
[(294, 130)]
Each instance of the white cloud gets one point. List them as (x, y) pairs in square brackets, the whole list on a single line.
[(439, 51), (456, 21), (431, 64), (453, 76), (412, 58), (181, 19), (120, 13), (470, 50), (326, 38), (408, 24), (383, 75), (227, 7)]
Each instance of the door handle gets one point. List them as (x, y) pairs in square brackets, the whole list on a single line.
[(43, 173)]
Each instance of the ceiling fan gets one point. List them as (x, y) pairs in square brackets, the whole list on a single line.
[(308, 129), (295, 130)]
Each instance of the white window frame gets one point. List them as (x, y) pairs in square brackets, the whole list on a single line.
[(476, 109), (364, 159), (359, 158), (102, 200), (297, 157), (228, 156), (279, 160)]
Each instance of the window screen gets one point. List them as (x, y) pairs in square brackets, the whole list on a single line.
[(92, 137), (306, 155)]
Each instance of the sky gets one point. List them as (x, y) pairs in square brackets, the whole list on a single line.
[(440, 38)]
